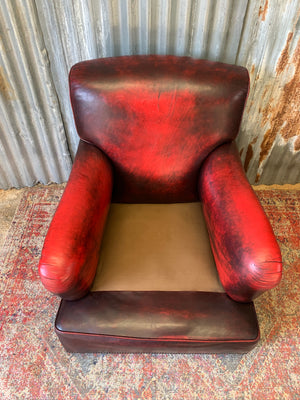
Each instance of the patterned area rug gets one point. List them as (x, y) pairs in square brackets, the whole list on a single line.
[(35, 366)]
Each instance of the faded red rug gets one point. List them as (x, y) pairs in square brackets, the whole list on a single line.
[(35, 366)]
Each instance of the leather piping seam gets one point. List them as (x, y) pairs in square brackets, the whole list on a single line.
[(126, 338)]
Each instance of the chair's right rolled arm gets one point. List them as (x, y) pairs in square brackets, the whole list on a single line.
[(246, 253)]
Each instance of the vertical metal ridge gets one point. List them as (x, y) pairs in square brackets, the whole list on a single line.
[(234, 22), (134, 26), (163, 27), (201, 32), (180, 15), (123, 18), (60, 63), (153, 21), (143, 28), (101, 27), (84, 13)]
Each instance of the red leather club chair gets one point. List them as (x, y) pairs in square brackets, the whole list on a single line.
[(159, 243)]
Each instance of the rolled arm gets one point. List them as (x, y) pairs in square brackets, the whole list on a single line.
[(70, 254), (246, 253)]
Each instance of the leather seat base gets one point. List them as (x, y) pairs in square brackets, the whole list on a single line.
[(157, 322), (162, 247)]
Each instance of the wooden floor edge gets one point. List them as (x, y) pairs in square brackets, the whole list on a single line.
[(286, 186)]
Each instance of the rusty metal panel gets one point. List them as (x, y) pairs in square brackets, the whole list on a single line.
[(40, 40), (33, 147), (269, 139)]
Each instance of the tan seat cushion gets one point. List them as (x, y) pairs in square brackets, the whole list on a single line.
[(156, 247)]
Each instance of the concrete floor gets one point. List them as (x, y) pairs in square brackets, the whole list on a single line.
[(9, 201)]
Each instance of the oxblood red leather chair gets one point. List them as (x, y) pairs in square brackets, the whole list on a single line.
[(159, 243)]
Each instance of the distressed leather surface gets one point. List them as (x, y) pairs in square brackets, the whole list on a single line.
[(246, 253), (155, 124), (157, 322), (71, 250), (157, 118)]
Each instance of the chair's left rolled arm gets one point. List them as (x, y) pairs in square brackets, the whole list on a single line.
[(71, 250)]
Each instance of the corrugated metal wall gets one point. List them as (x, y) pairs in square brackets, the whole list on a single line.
[(33, 145), (41, 39)]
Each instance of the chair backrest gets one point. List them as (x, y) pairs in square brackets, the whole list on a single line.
[(157, 118)]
